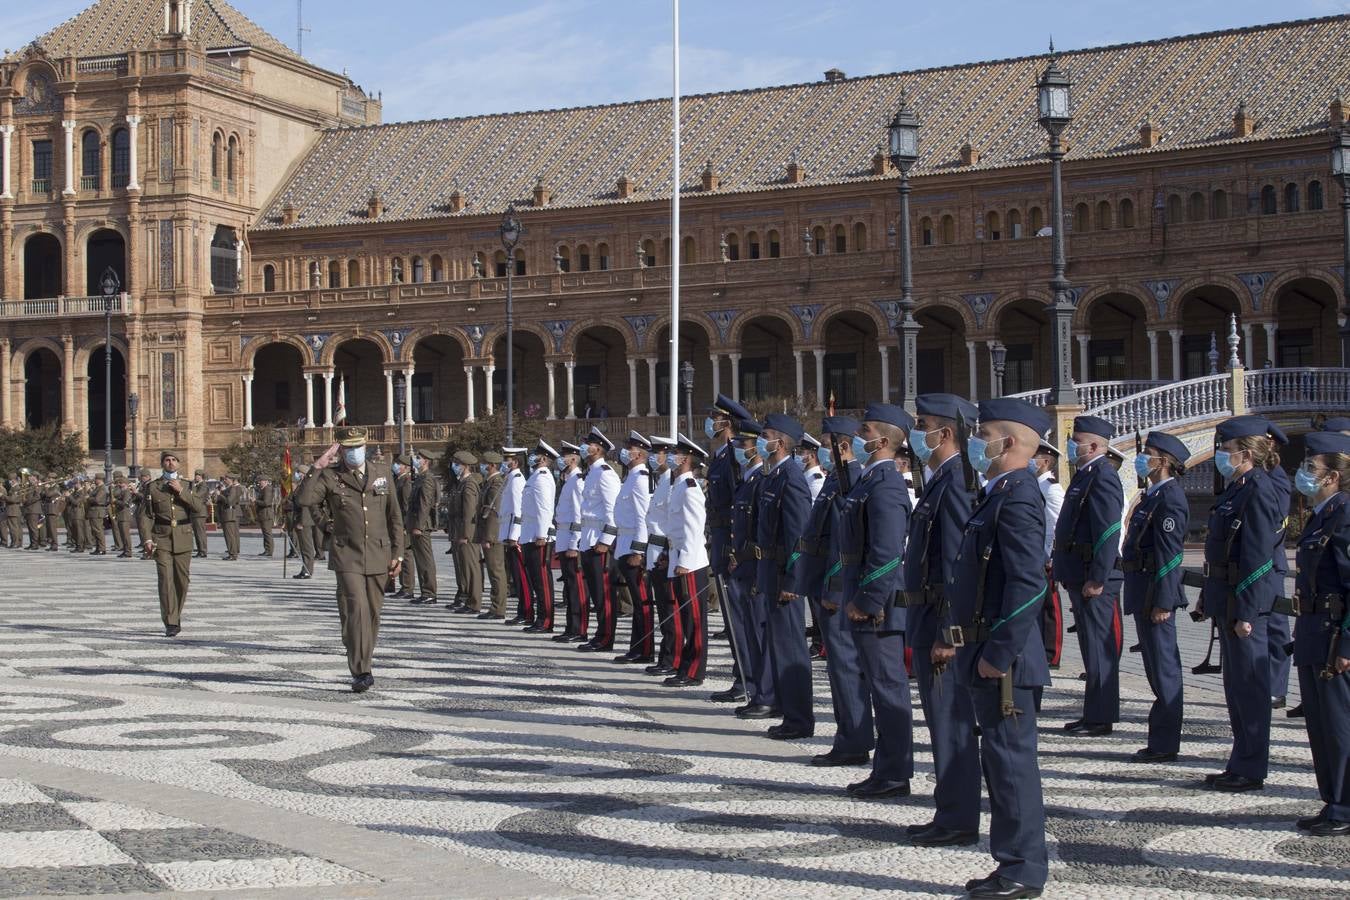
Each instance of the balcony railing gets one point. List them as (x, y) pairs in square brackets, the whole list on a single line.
[(120, 180), (89, 182), (1092, 393), (1274, 390), (1171, 404), (42, 185), (57, 307)]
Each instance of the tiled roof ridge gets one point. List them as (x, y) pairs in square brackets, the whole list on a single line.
[(951, 67), (232, 12)]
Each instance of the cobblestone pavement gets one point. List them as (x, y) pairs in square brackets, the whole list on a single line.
[(487, 762)]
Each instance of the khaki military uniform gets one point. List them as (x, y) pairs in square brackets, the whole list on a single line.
[(227, 514), (68, 517), (454, 498), (12, 536), (304, 532), (407, 576), (124, 498), (143, 521), (171, 532), (199, 519), (425, 497), (32, 514), (52, 505), (494, 554), (78, 506), (367, 537), (264, 510), (96, 510), (468, 554)]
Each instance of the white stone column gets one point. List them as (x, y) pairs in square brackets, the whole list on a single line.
[(69, 126), (974, 372), (651, 386), (490, 403), (6, 135), (468, 392), (885, 352), (309, 399), (1247, 344), (1152, 354), (133, 161), (248, 402), (632, 388), (735, 376), (1271, 331), (1175, 335), (820, 378), (407, 394), (389, 397), (549, 414), (1083, 375), (801, 382), (571, 389), (328, 398), (717, 375)]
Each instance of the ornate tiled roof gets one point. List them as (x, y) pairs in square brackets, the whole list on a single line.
[(117, 26), (1187, 87)]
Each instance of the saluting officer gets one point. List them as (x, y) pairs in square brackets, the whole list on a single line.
[(203, 492), (745, 610), (1151, 561), (598, 531), (537, 534), (817, 552), (424, 499), (687, 562), (1087, 545), (934, 541), (1321, 643), (567, 525), (367, 540), (464, 524), (508, 532), (631, 507), (489, 522), (784, 504), (1239, 595), (170, 503), (995, 591), (265, 513), (657, 545)]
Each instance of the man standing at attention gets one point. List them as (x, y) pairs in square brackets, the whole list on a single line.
[(264, 510), (170, 506)]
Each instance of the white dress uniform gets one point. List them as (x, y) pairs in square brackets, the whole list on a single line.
[(598, 495), (1054, 501), (815, 480), (567, 518), (568, 526), (657, 510), (536, 524), (536, 508), (630, 512), (685, 520), (508, 520)]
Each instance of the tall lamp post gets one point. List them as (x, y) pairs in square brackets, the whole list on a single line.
[(110, 284), (400, 401), (999, 355), (1054, 101), (511, 230), (1340, 168), (904, 145), (687, 382), (134, 410)]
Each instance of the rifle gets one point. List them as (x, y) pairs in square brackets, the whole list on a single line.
[(1139, 451), (1333, 652), (841, 471), (967, 470)]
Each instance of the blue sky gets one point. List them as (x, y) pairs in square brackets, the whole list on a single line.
[(435, 58)]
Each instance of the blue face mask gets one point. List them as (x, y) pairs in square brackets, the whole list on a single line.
[(762, 447), (482, 468), (1306, 484), (1141, 466), (457, 469), (826, 458), (1224, 463), (742, 455), (561, 464), (918, 442), (859, 453), (170, 476), (977, 451), (1073, 452), (503, 468), (624, 456), (708, 428), (396, 468), (1033, 468), (355, 456), (797, 461), (533, 460)]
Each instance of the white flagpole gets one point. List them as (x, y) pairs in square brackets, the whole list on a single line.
[(673, 373)]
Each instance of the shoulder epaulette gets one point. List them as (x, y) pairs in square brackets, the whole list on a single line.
[(605, 467), (689, 482)]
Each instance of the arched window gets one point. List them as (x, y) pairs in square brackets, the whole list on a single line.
[(217, 152), (269, 278), (840, 239), (775, 245), (437, 268), (1291, 193), (689, 253), (859, 237), (1315, 199), (499, 264), (752, 245), (733, 246), (1014, 224), (926, 231), (1035, 220), (91, 154), (231, 163), (948, 230), (353, 273), (993, 228), (564, 258), (334, 275), (1082, 218), (1174, 209), (649, 253), (583, 258), (1268, 207), (602, 256), (419, 270), (1125, 212), (121, 159), (818, 240), (1219, 204), (520, 262), (397, 274), (1195, 208), (1104, 215)]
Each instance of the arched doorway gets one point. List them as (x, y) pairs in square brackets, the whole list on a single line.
[(600, 378), (1023, 327), (101, 393), (1118, 343), (42, 267), (360, 369), (278, 386), (1205, 315), (943, 361), (695, 347), (767, 366), (105, 249), (531, 386), (1306, 333), (42, 388), (852, 360), (437, 393)]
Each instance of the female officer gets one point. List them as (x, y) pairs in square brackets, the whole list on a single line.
[(1238, 594), (1321, 646), (1151, 560)]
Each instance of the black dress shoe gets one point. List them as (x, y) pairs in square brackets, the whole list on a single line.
[(530, 629), (301, 575), (1088, 729), (1234, 784), (831, 759), (937, 836), (590, 647), (720, 636), (1215, 776), (756, 711), (518, 620), (1152, 756), (996, 887), (171, 630), (879, 788), (1278, 702), (362, 683), (561, 638), (427, 599), (786, 733), (730, 695), (1309, 821), (658, 669), (540, 629), (1294, 712), (817, 652), (1330, 828), (626, 658), (488, 615), (682, 681), (912, 830), (578, 639)]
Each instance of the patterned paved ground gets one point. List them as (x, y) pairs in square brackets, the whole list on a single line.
[(488, 762)]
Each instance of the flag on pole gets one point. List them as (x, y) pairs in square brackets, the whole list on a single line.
[(287, 473), (341, 415)]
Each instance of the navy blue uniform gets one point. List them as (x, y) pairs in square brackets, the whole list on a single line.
[(749, 610), (997, 604), (1279, 634), (1323, 587), (1086, 549), (1242, 529), (1151, 561), (721, 481), (930, 561), (872, 530), (817, 552), (784, 504)]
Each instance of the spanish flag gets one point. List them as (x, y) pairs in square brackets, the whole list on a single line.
[(287, 472)]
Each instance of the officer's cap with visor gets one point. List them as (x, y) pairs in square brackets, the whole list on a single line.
[(1245, 426), (747, 429), (1169, 444), (781, 422), (465, 458), (353, 436), (660, 443), (808, 442), (726, 408), (1008, 409), (845, 426), (1336, 423), (684, 445), (569, 447), (596, 436), (1319, 442), (1048, 448), (1094, 425), (889, 414), (638, 442), (544, 448), (946, 406)]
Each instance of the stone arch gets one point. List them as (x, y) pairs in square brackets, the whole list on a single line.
[(601, 349), (853, 342), (494, 335), (1022, 324), (92, 395), (1227, 282), (953, 305), (1302, 328), (695, 347), (943, 363), (735, 336), (361, 372), (21, 352), (258, 341), (44, 400), (1203, 308), (409, 346), (834, 310), (1270, 297), (438, 392), (766, 341), (278, 384), (662, 323), (1116, 323), (1009, 298), (44, 265), (86, 347), (578, 328), (1083, 313), (337, 340)]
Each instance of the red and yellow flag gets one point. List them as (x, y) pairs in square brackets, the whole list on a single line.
[(287, 472)]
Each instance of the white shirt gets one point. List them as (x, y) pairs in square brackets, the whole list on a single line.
[(685, 522), (508, 516), (536, 509), (657, 511), (815, 480), (598, 493), (568, 516), (630, 511), (1053, 495)]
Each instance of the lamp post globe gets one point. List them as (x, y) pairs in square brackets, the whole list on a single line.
[(1340, 169), (1054, 102), (903, 140), (511, 231)]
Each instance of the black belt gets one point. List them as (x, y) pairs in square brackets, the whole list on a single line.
[(574, 527), (1141, 565), (658, 541), (775, 554), (850, 559), (1304, 606), (925, 596), (971, 633), (637, 547), (808, 547), (1224, 571), (160, 520), (719, 522)]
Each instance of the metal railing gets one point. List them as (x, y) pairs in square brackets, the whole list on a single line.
[(1092, 393), (55, 307), (42, 186), (1273, 390), (1170, 404), (89, 182)]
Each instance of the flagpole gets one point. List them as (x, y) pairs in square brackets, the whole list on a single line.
[(673, 371)]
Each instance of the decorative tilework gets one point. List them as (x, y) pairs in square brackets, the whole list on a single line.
[(476, 335), (1162, 292), (168, 395), (806, 315), (723, 318), (979, 304), (166, 154), (1256, 285), (639, 325), (891, 310), (317, 341), (166, 254), (557, 330), (396, 338)]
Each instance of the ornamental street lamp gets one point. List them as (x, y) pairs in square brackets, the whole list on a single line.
[(400, 401), (1340, 169), (110, 285), (1055, 103), (687, 382), (999, 355), (904, 147), (511, 230), (133, 410)]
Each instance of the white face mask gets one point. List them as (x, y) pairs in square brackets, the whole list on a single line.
[(355, 456)]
